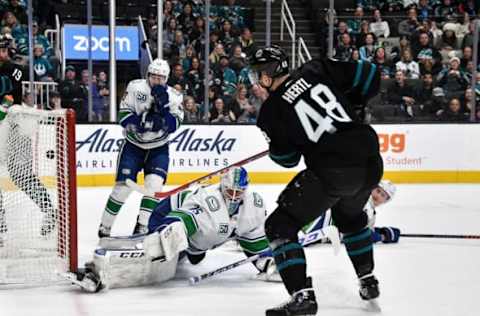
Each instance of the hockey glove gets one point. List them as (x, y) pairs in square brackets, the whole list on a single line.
[(132, 123), (160, 95), (268, 270), (154, 122), (6, 103), (386, 235)]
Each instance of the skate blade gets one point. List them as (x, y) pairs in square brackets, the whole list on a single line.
[(372, 306), (85, 286)]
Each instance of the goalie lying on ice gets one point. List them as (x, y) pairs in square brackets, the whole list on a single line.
[(187, 224)]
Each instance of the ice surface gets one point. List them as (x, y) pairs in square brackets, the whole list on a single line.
[(425, 277)]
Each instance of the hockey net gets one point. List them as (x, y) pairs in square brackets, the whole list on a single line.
[(38, 236)]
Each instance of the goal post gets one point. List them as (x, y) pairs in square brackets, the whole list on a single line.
[(38, 202)]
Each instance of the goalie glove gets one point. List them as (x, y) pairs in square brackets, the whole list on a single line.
[(268, 270)]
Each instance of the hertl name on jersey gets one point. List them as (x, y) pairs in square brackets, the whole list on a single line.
[(295, 90)]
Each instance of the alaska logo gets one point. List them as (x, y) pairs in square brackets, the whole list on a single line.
[(186, 140), (99, 142)]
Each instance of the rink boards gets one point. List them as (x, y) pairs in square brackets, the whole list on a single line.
[(447, 153)]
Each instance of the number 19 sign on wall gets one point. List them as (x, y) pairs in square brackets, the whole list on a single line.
[(75, 38)]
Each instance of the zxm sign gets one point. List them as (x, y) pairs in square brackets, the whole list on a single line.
[(77, 45)]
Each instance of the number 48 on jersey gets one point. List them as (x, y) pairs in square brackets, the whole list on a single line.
[(323, 96)]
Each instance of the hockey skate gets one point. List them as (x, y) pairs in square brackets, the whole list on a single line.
[(301, 303), (140, 229), (369, 287), (48, 222), (86, 278), (104, 231)]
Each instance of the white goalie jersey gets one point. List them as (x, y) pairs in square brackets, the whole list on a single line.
[(208, 223), (137, 99), (202, 222)]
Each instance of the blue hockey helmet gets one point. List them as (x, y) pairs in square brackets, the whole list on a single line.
[(233, 185)]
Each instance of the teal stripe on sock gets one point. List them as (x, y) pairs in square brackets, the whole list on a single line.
[(356, 237), (289, 263), (285, 248), (360, 251)]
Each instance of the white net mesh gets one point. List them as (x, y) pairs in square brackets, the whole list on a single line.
[(35, 229)]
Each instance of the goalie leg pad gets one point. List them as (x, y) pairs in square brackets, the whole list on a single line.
[(168, 241), (129, 268), (122, 242)]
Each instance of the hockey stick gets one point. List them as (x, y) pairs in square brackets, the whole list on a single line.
[(196, 279), (441, 236), (330, 232), (134, 186)]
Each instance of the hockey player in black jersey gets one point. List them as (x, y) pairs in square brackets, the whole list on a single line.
[(11, 74), (316, 112)]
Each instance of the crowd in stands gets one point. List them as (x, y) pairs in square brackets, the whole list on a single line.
[(424, 51), (71, 92), (423, 48), (232, 98)]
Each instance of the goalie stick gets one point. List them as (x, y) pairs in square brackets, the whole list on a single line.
[(441, 236), (330, 232), (134, 186), (196, 279)]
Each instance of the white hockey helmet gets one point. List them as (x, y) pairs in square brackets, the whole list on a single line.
[(159, 67), (388, 187), (233, 185)]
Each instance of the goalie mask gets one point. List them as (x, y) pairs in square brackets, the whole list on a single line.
[(233, 185), (158, 72)]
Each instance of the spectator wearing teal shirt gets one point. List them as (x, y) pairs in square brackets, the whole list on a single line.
[(39, 39), (232, 12), (18, 31), (41, 66), (229, 78), (354, 24)]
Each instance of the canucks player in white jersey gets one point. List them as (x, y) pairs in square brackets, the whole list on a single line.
[(149, 112), (383, 193), (187, 224)]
